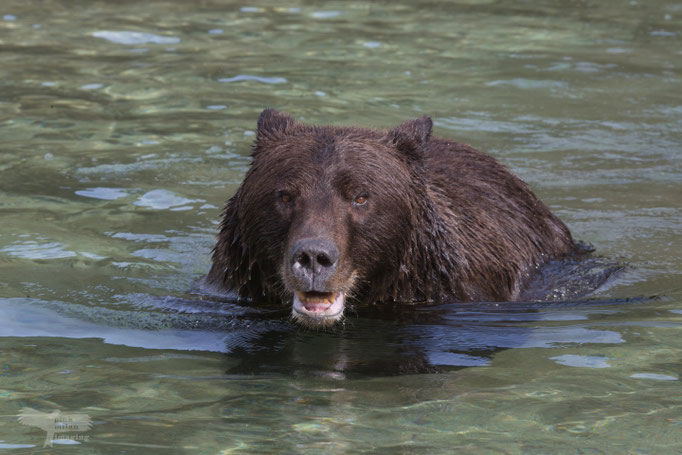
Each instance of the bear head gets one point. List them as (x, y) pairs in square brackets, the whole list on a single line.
[(329, 215)]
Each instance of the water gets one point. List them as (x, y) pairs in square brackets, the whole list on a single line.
[(125, 127)]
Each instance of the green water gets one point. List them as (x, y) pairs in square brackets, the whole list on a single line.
[(125, 126)]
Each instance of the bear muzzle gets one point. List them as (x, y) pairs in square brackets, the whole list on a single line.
[(313, 262)]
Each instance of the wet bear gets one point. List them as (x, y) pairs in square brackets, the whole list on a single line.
[(331, 216)]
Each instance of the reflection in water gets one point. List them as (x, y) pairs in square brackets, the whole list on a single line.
[(218, 332), (396, 339)]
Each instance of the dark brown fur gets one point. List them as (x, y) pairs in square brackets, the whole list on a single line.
[(442, 220)]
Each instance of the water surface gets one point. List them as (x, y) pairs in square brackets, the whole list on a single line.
[(126, 126)]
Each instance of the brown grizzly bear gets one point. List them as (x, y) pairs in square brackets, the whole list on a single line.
[(328, 215)]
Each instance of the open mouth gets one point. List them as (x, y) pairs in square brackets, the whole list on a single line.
[(318, 306)]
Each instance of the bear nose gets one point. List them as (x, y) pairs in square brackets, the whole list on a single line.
[(313, 262)]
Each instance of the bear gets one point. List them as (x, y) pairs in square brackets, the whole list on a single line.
[(329, 217)]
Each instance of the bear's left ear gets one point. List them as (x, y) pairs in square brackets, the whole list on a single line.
[(411, 136)]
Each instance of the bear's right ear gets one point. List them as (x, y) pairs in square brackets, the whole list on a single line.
[(411, 136), (273, 123)]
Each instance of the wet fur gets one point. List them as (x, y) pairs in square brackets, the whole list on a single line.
[(453, 222)]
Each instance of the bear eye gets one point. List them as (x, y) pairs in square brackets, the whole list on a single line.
[(361, 199), (286, 197)]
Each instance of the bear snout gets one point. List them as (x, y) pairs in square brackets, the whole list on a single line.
[(313, 262)]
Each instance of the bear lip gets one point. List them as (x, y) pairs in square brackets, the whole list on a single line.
[(318, 307)]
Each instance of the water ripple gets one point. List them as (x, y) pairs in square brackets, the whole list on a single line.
[(35, 250), (529, 83), (654, 376), (582, 361), (248, 77), (163, 199), (107, 194), (129, 37)]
